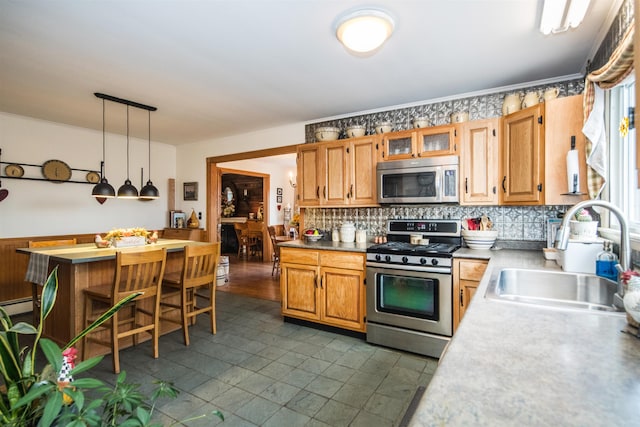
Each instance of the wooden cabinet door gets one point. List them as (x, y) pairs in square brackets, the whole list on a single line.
[(300, 291), (334, 174), (309, 169), (479, 162), (467, 274), (523, 157), (343, 300), (436, 141), (362, 164), (399, 145), (563, 120)]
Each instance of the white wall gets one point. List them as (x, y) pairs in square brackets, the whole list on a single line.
[(37, 208), (192, 158)]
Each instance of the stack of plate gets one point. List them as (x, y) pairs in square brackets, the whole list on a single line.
[(479, 239)]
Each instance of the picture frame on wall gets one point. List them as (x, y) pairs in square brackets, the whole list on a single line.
[(278, 191), (278, 199), (190, 191)]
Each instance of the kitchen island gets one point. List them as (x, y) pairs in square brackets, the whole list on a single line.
[(83, 266), (517, 364)]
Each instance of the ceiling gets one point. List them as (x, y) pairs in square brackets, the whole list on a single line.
[(223, 67)]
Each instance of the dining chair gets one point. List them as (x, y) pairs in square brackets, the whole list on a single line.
[(199, 269), (276, 249), (35, 287), (241, 230), (138, 271), (255, 237)]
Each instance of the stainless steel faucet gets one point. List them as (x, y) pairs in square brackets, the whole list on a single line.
[(625, 247)]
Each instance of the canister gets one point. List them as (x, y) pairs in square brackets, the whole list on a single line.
[(361, 236), (347, 232)]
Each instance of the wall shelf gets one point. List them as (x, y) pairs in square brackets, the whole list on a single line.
[(3, 175)]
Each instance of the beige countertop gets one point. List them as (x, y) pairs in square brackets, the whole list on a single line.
[(326, 245), (515, 364)]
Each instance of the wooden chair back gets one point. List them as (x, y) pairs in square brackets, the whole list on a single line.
[(48, 243), (200, 264), (139, 271), (272, 235)]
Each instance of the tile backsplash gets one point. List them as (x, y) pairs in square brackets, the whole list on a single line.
[(522, 223)]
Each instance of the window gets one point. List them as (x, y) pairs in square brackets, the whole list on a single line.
[(623, 176)]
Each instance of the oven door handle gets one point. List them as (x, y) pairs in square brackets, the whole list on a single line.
[(443, 270)]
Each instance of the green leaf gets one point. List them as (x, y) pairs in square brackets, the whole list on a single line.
[(34, 392), (23, 328), (49, 293), (100, 320), (52, 352), (86, 365), (51, 409), (143, 415), (87, 383)]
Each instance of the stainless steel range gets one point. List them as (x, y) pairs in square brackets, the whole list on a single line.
[(409, 286)]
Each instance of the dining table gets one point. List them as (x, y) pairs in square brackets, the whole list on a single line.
[(84, 266)]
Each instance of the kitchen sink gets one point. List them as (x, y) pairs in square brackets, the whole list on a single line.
[(563, 290)]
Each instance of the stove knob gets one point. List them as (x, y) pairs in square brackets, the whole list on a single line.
[(378, 257), (423, 261), (405, 259), (434, 261), (387, 258)]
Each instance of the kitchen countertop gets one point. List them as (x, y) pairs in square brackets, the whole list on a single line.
[(326, 245), (516, 364)]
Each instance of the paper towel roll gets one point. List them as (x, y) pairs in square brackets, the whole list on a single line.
[(573, 172)]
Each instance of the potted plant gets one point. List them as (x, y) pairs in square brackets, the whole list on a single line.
[(52, 396), (583, 226)]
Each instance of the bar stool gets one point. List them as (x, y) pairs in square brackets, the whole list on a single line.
[(139, 271), (35, 287), (198, 274)]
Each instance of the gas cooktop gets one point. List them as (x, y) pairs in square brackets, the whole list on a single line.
[(405, 248)]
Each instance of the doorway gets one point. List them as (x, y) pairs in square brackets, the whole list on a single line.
[(274, 166)]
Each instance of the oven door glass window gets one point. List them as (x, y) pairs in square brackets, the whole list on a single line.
[(419, 184), (409, 296)]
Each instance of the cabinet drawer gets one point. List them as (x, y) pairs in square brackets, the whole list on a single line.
[(347, 260), (472, 270), (299, 256)]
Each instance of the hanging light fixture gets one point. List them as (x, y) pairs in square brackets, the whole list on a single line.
[(364, 30), (127, 190), (103, 188), (149, 191)]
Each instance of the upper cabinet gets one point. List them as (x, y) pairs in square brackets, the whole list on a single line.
[(479, 141), (534, 147), (338, 173), (422, 142)]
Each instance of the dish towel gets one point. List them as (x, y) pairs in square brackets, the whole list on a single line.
[(594, 129), (38, 268)]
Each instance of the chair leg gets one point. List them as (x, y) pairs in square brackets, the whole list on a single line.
[(185, 315), (115, 351), (212, 301), (85, 341), (156, 329)]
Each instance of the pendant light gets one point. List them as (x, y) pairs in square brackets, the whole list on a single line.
[(127, 190), (103, 189), (149, 191)]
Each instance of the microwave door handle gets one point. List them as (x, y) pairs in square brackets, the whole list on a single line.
[(438, 181)]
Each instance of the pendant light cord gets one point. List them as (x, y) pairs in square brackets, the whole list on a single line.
[(149, 133), (128, 143), (103, 169)]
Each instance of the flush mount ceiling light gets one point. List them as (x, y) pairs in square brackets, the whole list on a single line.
[(560, 15), (365, 30)]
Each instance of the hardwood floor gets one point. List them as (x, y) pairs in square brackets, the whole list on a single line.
[(252, 278)]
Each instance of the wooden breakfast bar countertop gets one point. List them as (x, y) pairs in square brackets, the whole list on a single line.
[(83, 266)]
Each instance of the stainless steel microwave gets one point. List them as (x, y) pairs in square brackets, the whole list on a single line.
[(426, 180)]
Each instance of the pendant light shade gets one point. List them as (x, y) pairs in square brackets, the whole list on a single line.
[(127, 190), (103, 188), (149, 191)]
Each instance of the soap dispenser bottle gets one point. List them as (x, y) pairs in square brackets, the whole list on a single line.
[(606, 263)]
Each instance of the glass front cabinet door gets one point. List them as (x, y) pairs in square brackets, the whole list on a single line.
[(399, 145), (437, 141)]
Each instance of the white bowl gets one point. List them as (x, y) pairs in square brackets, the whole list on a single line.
[(327, 133), (383, 127), (480, 239), (421, 122), (355, 131)]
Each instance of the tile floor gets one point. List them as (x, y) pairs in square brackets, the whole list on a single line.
[(260, 371)]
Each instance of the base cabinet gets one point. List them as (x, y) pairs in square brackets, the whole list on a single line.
[(467, 274), (313, 287)]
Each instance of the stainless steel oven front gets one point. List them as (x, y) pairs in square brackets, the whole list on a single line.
[(410, 307)]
